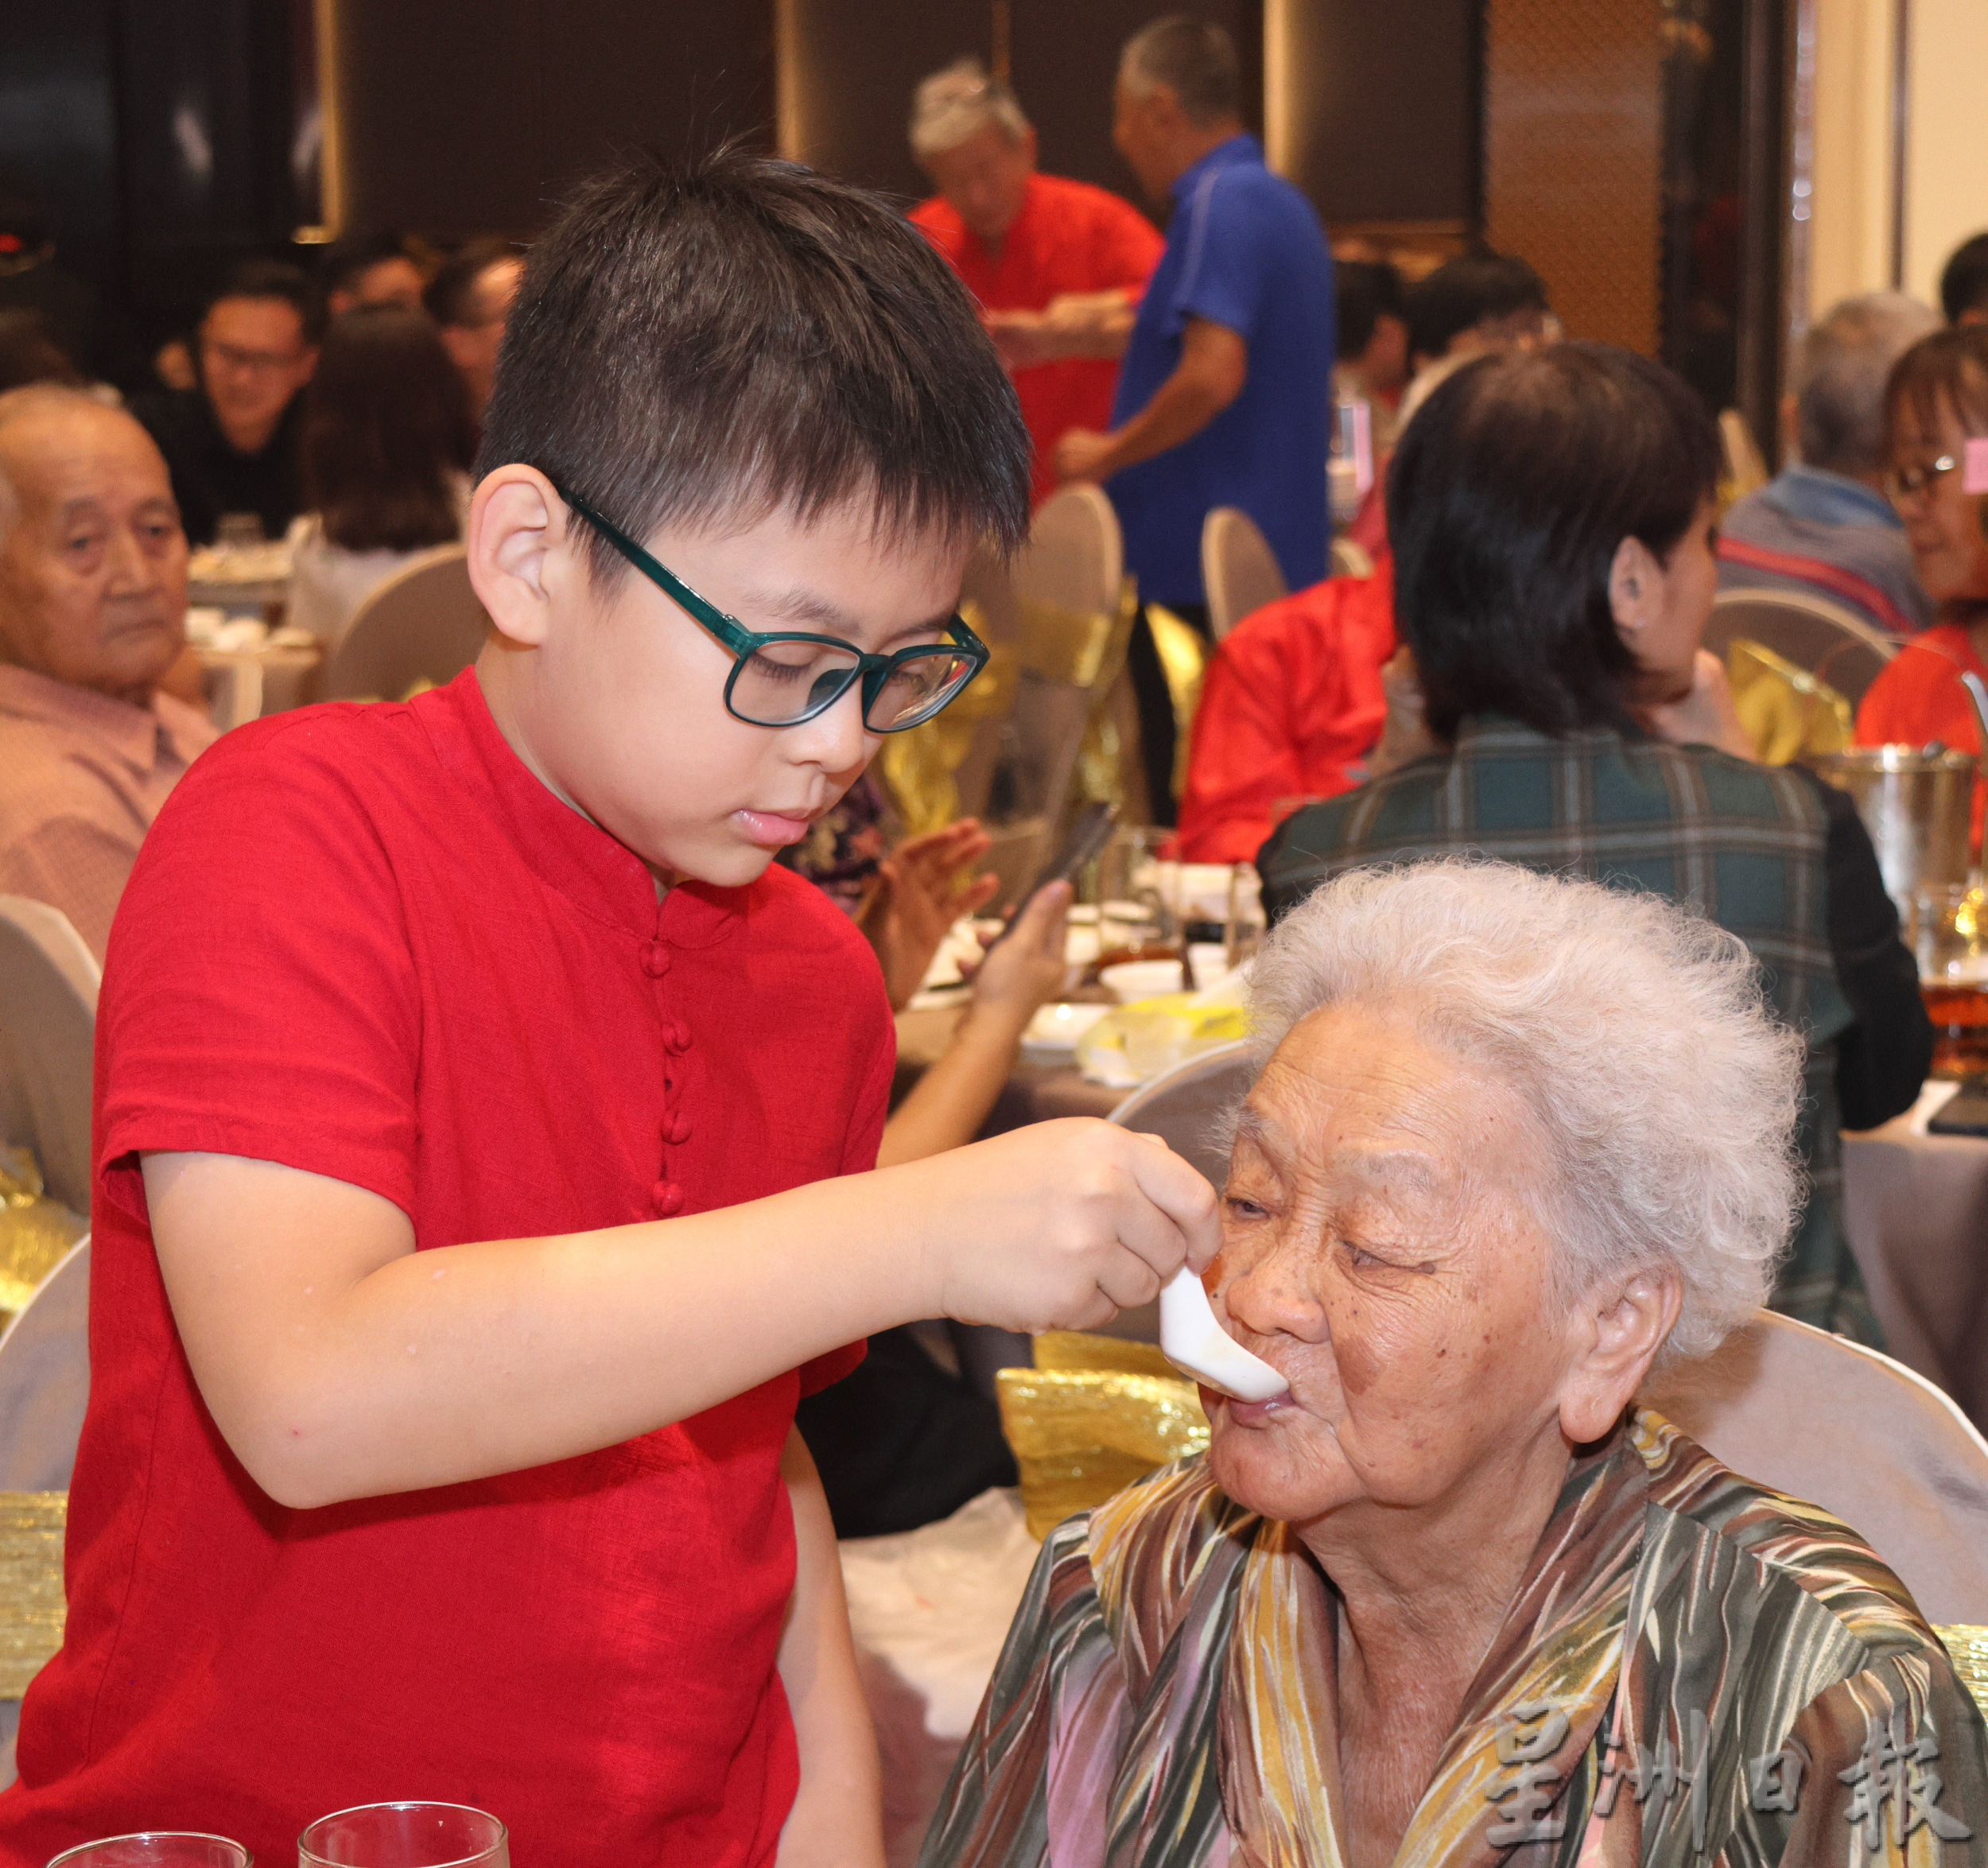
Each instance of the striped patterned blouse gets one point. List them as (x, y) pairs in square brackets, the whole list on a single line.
[(1695, 1672)]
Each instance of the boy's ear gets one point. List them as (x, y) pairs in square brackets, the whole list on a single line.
[(518, 537)]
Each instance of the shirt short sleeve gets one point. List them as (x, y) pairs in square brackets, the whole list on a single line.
[(259, 996), (1226, 266)]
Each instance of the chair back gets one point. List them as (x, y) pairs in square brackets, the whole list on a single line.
[(1821, 1418), (422, 625), (1186, 1107), (48, 982), (1075, 556), (1823, 638), (1351, 559), (1239, 571), (45, 1378)]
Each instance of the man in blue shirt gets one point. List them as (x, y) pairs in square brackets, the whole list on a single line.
[(1223, 396), (1823, 526)]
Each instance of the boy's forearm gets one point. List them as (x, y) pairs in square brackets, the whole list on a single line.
[(836, 1817)]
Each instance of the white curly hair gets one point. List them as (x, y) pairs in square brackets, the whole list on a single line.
[(1635, 1029)]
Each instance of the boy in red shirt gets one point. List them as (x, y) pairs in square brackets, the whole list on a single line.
[(484, 1128)]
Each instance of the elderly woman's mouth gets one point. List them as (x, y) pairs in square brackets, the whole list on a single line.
[(1248, 1413)]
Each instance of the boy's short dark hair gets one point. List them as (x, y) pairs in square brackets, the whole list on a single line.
[(717, 340), (1462, 292), (267, 278), (1366, 291), (1509, 496), (1963, 281)]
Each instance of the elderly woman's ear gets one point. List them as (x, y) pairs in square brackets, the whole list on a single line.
[(1616, 1330)]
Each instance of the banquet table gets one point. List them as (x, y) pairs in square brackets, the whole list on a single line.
[(1914, 1205)]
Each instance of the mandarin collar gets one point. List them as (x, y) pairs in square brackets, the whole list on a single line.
[(566, 851), (134, 733), (1241, 147)]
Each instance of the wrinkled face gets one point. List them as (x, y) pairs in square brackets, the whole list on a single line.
[(624, 713), (93, 570), (984, 178), (1679, 607), (1944, 523), (253, 360), (1383, 1246)]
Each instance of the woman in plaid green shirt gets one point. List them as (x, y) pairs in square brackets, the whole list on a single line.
[(1553, 520)]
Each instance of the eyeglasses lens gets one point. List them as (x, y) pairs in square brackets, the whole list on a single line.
[(917, 687), (784, 681)]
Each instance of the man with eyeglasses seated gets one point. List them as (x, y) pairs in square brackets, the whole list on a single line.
[(231, 442), (1936, 430)]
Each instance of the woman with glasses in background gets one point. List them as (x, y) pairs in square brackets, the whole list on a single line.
[(1935, 404)]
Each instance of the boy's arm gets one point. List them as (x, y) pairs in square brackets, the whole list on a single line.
[(836, 1821), (340, 1363)]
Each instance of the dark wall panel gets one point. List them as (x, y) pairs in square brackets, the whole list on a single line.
[(1381, 103), (456, 119), (57, 132), (855, 63)]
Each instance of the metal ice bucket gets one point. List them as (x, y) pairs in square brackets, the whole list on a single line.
[(1916, 806)]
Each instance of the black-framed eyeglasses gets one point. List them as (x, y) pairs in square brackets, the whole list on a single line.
[(1909, 481), (781, 677)]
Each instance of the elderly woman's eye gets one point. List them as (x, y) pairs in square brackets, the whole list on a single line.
[(1242, 1209)]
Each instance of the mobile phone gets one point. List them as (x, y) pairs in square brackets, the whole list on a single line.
[(1964, 1114), (1088, 835)]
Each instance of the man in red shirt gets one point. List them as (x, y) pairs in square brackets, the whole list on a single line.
[(1058, 265), (483, 1130)]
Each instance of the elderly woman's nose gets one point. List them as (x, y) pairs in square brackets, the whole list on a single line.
[(1273, 1294)]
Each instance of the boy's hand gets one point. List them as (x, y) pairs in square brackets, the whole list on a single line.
[(1062, 1224)]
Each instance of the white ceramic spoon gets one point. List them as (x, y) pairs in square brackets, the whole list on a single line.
[(1191, 1339)]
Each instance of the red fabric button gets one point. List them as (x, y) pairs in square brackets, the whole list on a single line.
[(655, 960), (667, 1198), (677, 1036), (679, 1130)]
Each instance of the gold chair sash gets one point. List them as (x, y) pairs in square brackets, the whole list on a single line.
[(32, 1607), (1969, 1648), (1788, 713), (1092, 1416), (35, 1231)]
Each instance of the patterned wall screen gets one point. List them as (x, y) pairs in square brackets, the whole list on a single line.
[(1573, 137)]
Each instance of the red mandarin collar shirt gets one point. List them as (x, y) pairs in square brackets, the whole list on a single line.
[(1069, 237), (364, 941)]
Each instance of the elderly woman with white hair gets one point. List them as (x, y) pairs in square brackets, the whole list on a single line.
[(1454, 1598)]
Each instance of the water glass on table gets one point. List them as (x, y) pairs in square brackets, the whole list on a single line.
[(1948, 932), (156, 1848), (405, 1836), (1138, 915)]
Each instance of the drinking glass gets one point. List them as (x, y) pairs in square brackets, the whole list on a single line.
[(156, 1848), (238, 531), (1244, 932), (1138, 913), (1948, 930), (405, 1836)]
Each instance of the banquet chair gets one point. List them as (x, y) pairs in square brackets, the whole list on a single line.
[(1743, 467), (1351, 559), (48, 982), (1075, 556), (1820, 637), (1239, 571), (1824, 1419), (421, 627)]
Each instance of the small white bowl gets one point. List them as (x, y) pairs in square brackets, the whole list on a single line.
[(1141, 978)]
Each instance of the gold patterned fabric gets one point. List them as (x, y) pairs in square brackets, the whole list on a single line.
[(32, 1606), (1692, 1672), (35, 1231), (1968, 1646)]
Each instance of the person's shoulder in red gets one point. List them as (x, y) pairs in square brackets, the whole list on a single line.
[(1919, 696), (940, 223), (1101, 233), (1292, 704)]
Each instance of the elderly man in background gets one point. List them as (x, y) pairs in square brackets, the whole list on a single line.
[(231, 442), (470, 297), (1223, 395), (92, 614), (1822, 525), (1058, 265)]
